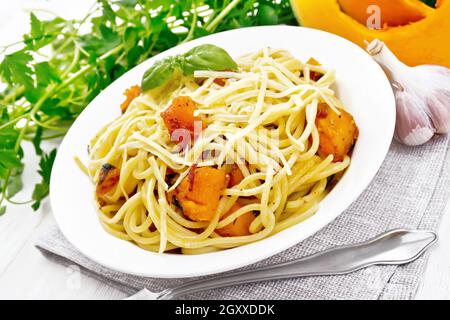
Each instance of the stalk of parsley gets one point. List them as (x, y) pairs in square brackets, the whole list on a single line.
[(61, 65)]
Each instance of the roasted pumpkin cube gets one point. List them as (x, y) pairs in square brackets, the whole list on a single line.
[(108, 179), (180, 115), (236, 176), (240, 226), (199, 193), (313, 75), (130, 94), (337, 133)]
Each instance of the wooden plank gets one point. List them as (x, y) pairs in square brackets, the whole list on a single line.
[(435, 283), (30, 275), (20, 221)]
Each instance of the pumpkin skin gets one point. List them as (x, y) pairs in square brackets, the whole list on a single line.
[(415, 40)]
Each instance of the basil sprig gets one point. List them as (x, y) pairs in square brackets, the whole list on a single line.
[(203, 57), (158, 74)]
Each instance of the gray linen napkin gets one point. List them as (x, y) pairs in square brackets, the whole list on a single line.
[(410, 191)]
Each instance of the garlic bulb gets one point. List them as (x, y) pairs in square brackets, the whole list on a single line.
[(413, 125), (422, 95)]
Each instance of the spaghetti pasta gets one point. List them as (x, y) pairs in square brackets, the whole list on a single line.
[(260, 120)]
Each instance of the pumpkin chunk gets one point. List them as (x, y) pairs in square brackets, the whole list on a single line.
[(180, 115), (236, 176), (392, 13), (337, 133), (199, 193), (130, 94), (220, 81), (240, 226), (108, 179), (313, 75)]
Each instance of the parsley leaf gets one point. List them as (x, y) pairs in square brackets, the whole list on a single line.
[(41, 189), (8, 137), (15, 69), (41, 33), (98, 45), (108, 12), (9, 159), (46, 74), (15, 184), (37, 139)]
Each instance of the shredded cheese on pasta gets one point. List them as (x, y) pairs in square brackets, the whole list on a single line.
[(266, 100)]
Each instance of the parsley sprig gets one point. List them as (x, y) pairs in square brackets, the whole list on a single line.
[(61, 65)]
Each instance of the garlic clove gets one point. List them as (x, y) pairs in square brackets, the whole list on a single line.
[(433, 83), (422, 95), (413, 125), (438, 109)]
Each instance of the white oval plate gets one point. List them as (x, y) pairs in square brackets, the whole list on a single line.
[(361, 85)]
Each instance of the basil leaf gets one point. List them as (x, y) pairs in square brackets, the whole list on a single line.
[(203, 57), (207, 57), (158, 74)]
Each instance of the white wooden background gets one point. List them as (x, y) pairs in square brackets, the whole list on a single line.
[(26, 274)]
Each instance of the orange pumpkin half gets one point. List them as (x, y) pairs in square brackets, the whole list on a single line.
[(416, 33)]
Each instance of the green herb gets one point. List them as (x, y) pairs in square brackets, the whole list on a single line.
[(61, 65), (203, 57), (206, 57), (41, 189), (159, 73)]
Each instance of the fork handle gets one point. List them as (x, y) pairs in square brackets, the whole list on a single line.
[(393, 247)]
